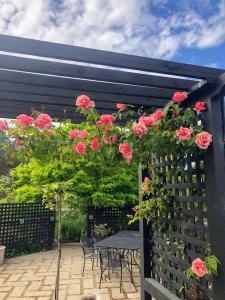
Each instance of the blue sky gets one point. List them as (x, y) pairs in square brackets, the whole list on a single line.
[(191, 31)]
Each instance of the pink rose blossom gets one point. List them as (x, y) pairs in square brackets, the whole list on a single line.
[(139, 129), (121, 106), (43, 121), (79, 148), (82, 134), (95, 144), (84, 102), (73, 134), (178, 97), (3, 125), (184, 133), (157, 115), (147, 120), (199, 268), (106, 140), (126, 150), (50, 132), (203, 139), (106, 120), (199, 106), (24, 120), (114, 139), (129, 160), (147, 180)]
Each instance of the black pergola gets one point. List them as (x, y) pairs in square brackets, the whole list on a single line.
[(48, 77)]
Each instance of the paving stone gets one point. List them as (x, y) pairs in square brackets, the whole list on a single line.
[(74, 289), (17, 291), (3, 295), (116, 294)]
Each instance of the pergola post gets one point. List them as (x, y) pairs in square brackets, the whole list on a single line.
[(215, 188)]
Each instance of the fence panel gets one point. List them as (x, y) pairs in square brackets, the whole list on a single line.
[(26, 227), (115, 218), (183, 234)]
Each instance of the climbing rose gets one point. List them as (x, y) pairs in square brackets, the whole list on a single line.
[(126, 150), (106, 120), (178, 97), (147, 179), (184, 133), (199, 106), (114, 139), (79, 148), (82, 134), (43, 121), (147, 121), (203, 139), (24, 120), (157, 116), (95, 144), (139, 129), (73, 134), (121, 106), (199, 268), (84, 102), (3, 125)]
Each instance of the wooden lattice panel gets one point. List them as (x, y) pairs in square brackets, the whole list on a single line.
[(26, 227), (185, 226)]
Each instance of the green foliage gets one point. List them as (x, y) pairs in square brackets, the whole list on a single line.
[(73, 225)]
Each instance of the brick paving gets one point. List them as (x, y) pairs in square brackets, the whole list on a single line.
[(32, 277)]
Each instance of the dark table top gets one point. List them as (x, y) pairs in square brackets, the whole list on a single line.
[(127, 240)]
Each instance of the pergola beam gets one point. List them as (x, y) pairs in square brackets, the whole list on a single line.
[(80, 54)]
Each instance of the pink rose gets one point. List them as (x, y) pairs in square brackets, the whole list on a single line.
[(203, 139), (147, 180), (106, 140), (73, 134), (184, 133), (147, 121), (43, 121), (82, 134), (50, 132), (139, 129), (106, 120), (199, 268), (126, 150), (79, 148), (157, 115), (24, 120), (199, 106), (121, 106), (178, 97), (84, 102), (114, 139), (3, 125), (95, 144)]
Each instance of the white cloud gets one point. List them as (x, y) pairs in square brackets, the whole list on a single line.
[(120, 25)]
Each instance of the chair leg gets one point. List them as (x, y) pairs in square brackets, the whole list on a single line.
[(121, 279), (101, 278), (93, 264), (83, 267)]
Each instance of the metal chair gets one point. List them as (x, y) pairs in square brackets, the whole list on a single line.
[(89, 252), (112, 260)]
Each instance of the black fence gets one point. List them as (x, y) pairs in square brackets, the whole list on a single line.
[(114, 218), (26, 228)]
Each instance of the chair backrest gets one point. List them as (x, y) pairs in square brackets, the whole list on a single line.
[(110, 258), (87, 245)]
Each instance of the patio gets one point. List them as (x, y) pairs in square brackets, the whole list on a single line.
[(33, 276)]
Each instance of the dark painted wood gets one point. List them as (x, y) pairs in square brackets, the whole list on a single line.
[(158, 291), (79, 84), (87, 72), (215, 188), (81, 54)]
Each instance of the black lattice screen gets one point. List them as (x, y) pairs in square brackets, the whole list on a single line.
[(184, 233), (116, 218), (26, 227)]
